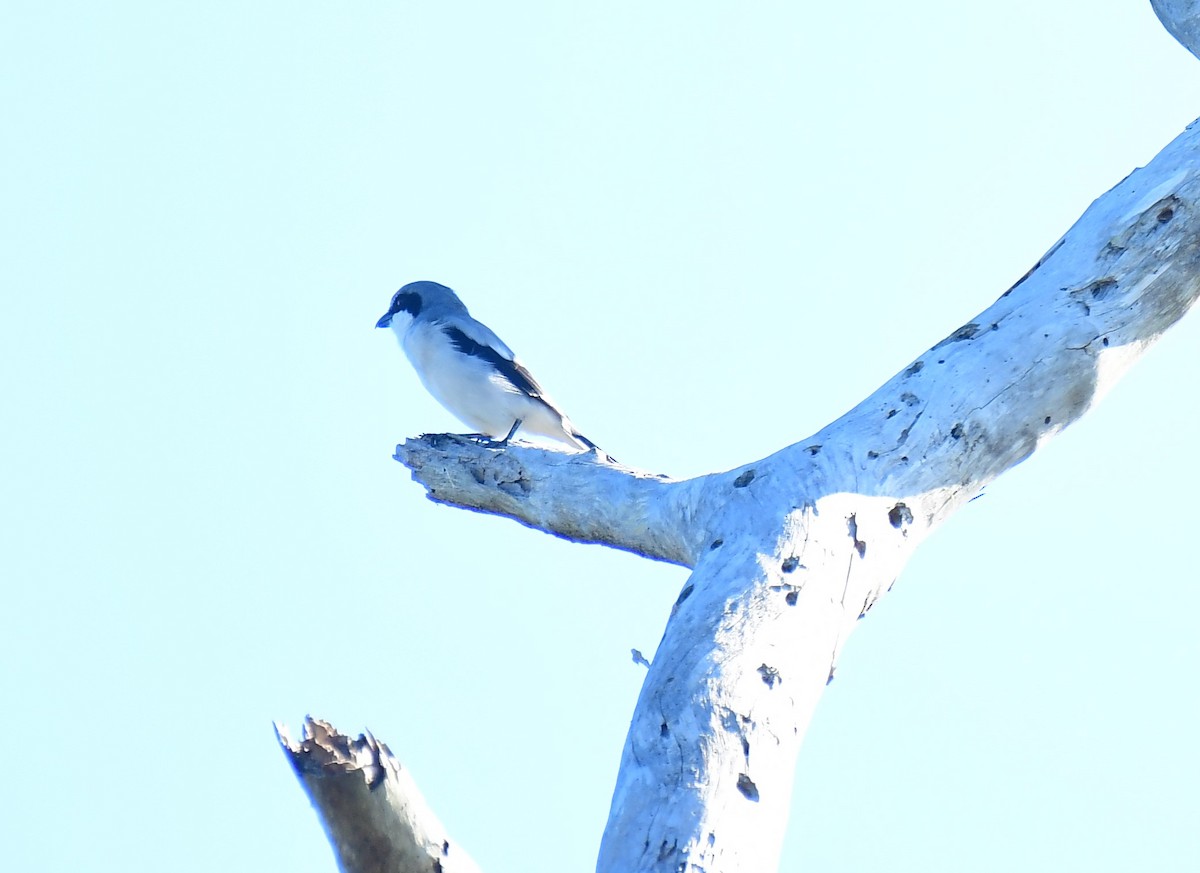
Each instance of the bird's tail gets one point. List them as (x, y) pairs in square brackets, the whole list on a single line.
[(584, 443)]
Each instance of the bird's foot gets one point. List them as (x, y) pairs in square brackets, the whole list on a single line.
[(491, 442)]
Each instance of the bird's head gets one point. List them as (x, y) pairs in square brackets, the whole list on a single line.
[(415, 298)]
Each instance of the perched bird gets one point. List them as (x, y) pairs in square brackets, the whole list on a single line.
[(469, 370)]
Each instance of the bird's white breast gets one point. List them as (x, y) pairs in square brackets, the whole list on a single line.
[(466, 385)]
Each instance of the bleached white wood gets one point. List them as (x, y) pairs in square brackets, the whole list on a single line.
[(1181, 18), (616, 506), (789, 552)]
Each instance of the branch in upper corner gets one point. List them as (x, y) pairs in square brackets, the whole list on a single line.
[(373, 814), (1181, 18), (577, 496)]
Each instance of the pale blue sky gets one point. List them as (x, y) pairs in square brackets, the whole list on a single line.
[(708, 229)]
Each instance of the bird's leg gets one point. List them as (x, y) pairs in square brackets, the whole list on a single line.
[(511, 432), (497, 444)]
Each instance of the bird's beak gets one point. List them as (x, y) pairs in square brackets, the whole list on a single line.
[(386, 321)]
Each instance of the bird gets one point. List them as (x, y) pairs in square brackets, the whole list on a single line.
[(470, 371)]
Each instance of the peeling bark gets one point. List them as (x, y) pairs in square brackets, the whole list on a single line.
[(376, 819)]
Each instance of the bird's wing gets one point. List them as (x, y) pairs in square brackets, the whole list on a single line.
[(473, 338), (477, 332)]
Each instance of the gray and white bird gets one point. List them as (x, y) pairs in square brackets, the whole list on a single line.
[(470, 371)]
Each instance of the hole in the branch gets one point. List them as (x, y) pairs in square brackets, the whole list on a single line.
[(900, 515), (747, 787), (743, 480)]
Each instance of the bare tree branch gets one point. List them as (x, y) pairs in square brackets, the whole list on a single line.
[(375, 817), (974, 405), (1181, 18), (613, 505), (789, 552)]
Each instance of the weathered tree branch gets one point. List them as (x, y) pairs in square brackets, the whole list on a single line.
[(618, 507), (974, 405), (791, 551), (375, 817), (1181, 18)]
